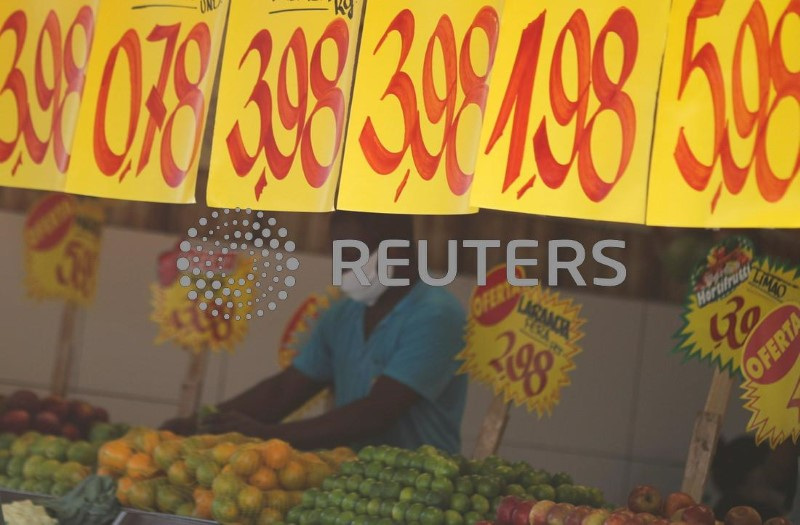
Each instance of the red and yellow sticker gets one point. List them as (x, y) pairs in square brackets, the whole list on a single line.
[(732, 291), (522, 341), (62, 245), (771, 376), (222, 324)]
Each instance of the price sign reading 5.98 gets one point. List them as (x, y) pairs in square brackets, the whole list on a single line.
[(569, 119), (727, 142), (420, 92), (44, 49), (285, 88), (148, 87)]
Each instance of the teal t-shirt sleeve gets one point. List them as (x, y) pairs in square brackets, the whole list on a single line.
[(425, 358), (314, 358)]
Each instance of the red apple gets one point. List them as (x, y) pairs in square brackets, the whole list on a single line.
[(522, 513), (699, 515), (506, 509), (71, 432), (15, 421), (558, 514), (595, 517), (645, 498), (616, 518), (742, 515), (778, 521), (46, 423), (646, 517), (81, 412), (57, 406), (675, 502), (539, 512), (23, 400), (576, 516), (100, 415)]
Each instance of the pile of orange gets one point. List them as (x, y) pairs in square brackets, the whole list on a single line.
[(228, 478)]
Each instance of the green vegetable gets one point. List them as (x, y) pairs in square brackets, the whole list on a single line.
[(93, 502)]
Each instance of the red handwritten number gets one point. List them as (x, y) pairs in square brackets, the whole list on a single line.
[(188, 92), (733, 323), (524, 364), (46, 96), (771, 69), (295, 117), (78, 268), (592, 75), (15, 81), (438, 109), (794, 400)]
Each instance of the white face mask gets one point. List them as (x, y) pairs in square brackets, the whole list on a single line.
[(369, 294)]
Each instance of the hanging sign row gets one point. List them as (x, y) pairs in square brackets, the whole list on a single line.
[(683, 113)]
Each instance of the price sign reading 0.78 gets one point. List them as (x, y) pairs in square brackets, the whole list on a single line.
[(728, 134), (147, 97), (570, 112), (418, 106), (46, 58)]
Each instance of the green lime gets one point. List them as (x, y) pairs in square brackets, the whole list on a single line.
[(460, 502), (329, 516), (403, 459), (543, 492), (423, 481), (353, 482), (432, 516), (417, 461), (386, 508), (345, 518), (452, 517), (515, 490), (309, 498), (366, 453), (414, 512), (399, 511), (407, 494), (349, 501), (374, 507), (361, 506), (442, 484), (488, 487), (372, 470), (437, 499), (391, 491), (480, 504), (336, 497), (464, 484), (561, 478), (15, 466), (565, 493), (30, 466)]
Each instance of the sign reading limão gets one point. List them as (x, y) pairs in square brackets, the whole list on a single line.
[(521, 341)]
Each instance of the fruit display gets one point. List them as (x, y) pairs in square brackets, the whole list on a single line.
[(44, 464), (645, 507), (426, 486), (93, 502), (228, 478), (26, 513), (73, 419)]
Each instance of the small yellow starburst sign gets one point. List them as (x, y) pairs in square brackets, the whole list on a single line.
[(521, 341)]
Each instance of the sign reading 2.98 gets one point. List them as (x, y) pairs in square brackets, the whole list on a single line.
[(418, 103), (46, 46), (727, 142), (283, 103), (148, 87)]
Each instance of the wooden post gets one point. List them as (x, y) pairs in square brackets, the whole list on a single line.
[(65, 350), (706, 432), (192, 388), (494, 425)]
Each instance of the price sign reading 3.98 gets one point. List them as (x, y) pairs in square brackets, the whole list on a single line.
[(148, 88), (727, 142), (420, 91), (44, 49), (570, 113), (284, 92)]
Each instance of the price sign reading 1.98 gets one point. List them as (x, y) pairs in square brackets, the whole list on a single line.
[(44, 49), (146, 99), (569, 120), (285, 88), (727, 141), (420, 90)]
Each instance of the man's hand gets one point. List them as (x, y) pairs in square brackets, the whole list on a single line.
[(225, 422), (183, 426)]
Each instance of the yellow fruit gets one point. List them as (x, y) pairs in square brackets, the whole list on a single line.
[(226, 486), (142, 496), (295, 498), (147, 440), (114, 455), (278, 500), (276, 453), (206, 472), (167, 435), (169, 498), (166, 453), (250, 501), (124, 485), (203, 499), (185, 509), (222, 453), (179, 474), (264, 479), (224, 510), (293, 476), (245, 462), (269, 517), (140, 466)]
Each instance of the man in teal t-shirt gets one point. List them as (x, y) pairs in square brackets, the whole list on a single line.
[(389, 354)]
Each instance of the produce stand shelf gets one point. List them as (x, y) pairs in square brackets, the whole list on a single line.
[(135, 517)]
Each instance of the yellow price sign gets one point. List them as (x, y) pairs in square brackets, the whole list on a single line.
[(726, 150), (62, 245), (569, 119), (45, 48), (148, 84), (522, 341), (771, 375), (731, 292), (285, 88), (420, 89), (177, 310)]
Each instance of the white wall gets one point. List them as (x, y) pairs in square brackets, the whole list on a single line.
[(626, 418)]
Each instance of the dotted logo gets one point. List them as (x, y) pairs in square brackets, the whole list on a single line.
[(211, 269)]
